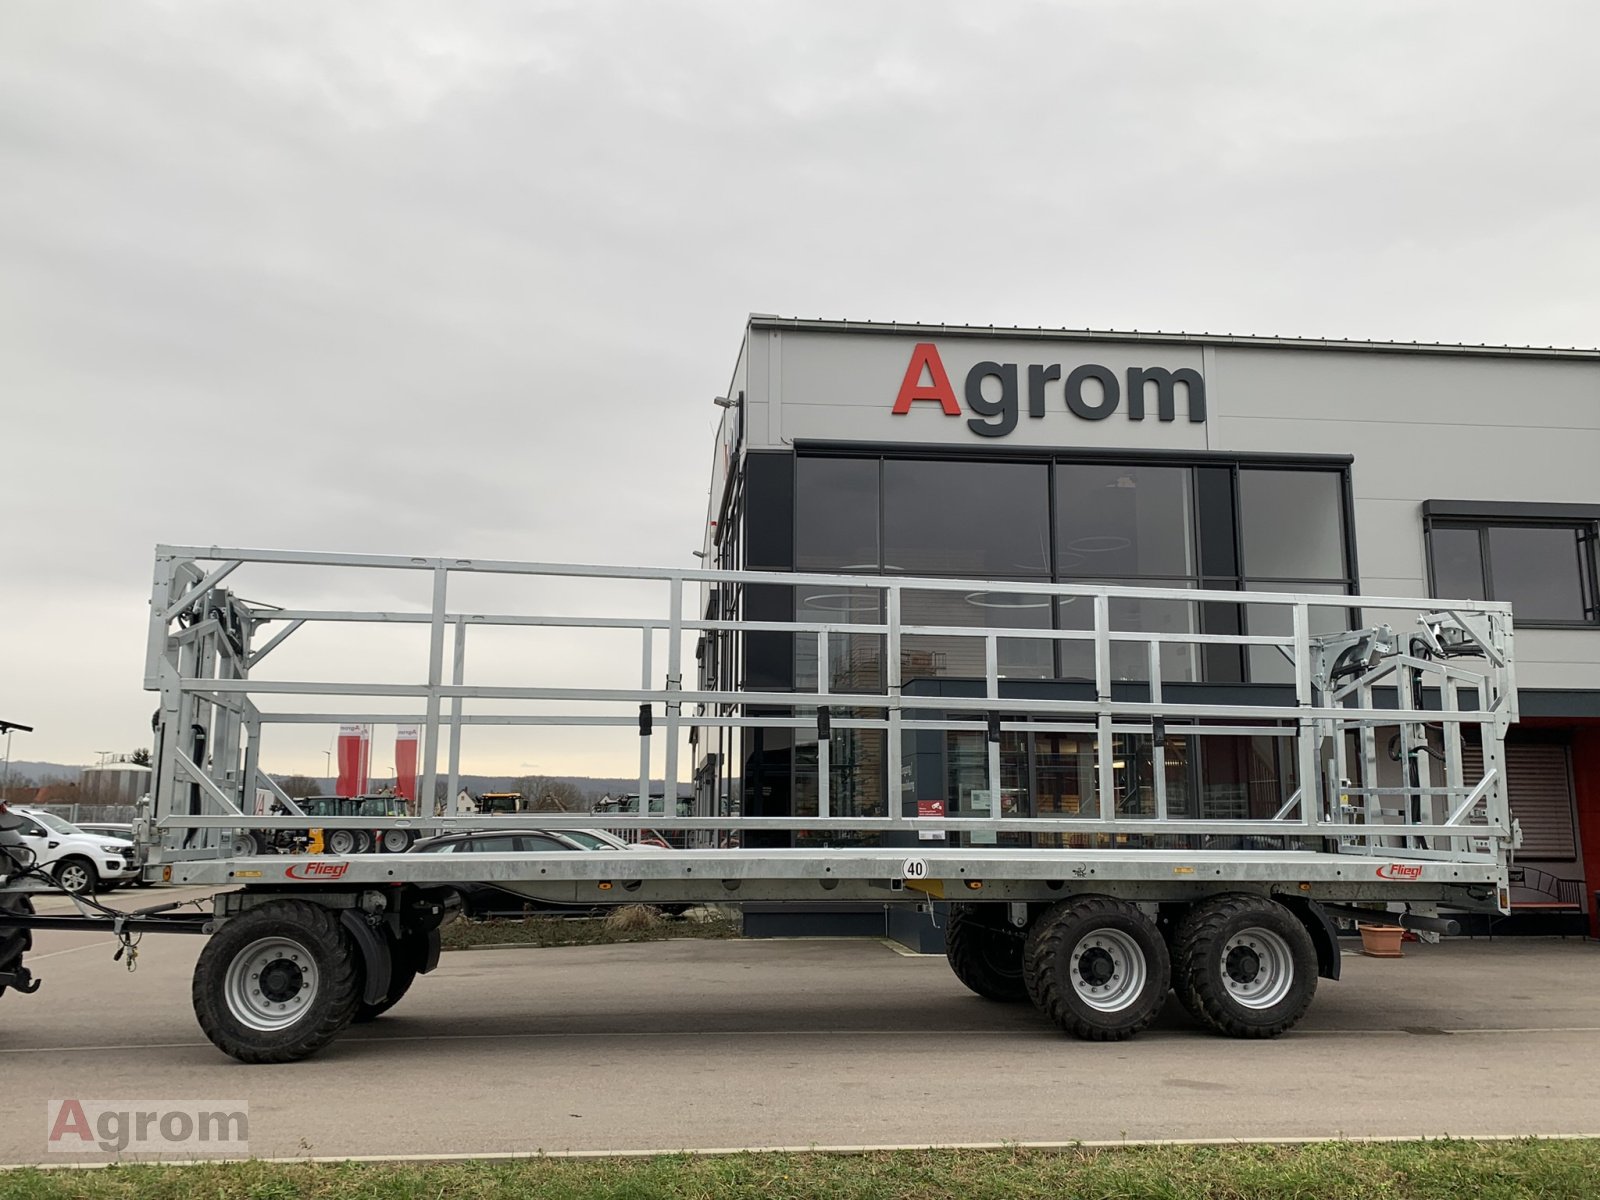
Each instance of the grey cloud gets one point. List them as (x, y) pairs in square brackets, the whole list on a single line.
[(463, 278)]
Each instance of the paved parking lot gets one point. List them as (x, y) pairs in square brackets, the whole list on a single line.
[(724, 1044)]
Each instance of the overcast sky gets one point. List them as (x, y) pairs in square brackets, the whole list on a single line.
[(462, 278)]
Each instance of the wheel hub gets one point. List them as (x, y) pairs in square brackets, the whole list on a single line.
[(271, 983), (281, 981), (1107, 970), (1257, 968), (1097, 967), (1244, 964)]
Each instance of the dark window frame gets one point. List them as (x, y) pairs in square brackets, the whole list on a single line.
[(1585, 519), (1056, 458)]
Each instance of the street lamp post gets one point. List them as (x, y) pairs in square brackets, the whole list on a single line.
[(6, 727)]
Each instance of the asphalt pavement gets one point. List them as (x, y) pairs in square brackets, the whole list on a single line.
[(707, 1044)]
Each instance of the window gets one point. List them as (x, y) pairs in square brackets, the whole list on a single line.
[(984, 519), (1544, 569), (1123, 521), (1291, 524), (1131, 660), (501, 844), (538, 841), (836, 514)]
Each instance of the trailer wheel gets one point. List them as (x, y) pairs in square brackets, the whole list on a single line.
[(277, 983), (403, 960), (1245, 966), (1097, 967), (986, 958)]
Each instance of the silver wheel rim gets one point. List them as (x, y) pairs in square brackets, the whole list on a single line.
[(1257, 968), (341, 841), (73, 878), (394, 840), (243, 845), (1108, 970), (271, 983)]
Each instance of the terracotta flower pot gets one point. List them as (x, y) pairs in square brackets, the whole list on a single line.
[(1381, 941)]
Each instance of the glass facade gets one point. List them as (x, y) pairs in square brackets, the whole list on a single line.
[(1213, 523)]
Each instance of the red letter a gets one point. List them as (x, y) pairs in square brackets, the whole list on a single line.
[(926, 355)]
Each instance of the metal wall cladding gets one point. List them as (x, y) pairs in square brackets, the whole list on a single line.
[(120, 784), (1420, 425)]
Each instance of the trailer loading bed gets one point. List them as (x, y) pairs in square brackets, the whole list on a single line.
[(1093, 915)]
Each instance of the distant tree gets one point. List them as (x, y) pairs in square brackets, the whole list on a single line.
[(300, 786), (543, 794), (140, 757), (19, 788)]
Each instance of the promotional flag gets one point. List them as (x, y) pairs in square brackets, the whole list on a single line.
[(354, 749), (405, 763)]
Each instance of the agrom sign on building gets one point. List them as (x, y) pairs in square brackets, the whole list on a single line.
[(995, 391)]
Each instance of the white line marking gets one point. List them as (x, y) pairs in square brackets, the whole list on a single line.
[(724, 1151)]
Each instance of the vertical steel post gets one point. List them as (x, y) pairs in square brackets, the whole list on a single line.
[(458, 676), (1105, 740), (669, 790), (645, 676), (1305, 726), (1158, 748), (430, 744), (894, 751), (824, 744)]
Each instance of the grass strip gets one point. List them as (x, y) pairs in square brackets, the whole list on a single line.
[(575, 931), (1324, 1170)]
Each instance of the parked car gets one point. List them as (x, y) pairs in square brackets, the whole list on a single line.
[(116, 829), (80, 862), (479, 899)]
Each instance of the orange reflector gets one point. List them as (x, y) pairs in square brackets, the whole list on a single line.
[(975, 884), (166, 874), (605, 885)]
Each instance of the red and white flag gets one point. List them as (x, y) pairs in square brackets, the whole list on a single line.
[(405, 762), (355, 753)]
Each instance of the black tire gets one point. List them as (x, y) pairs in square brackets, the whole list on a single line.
[(14, 943), (363, 842), (985, 955), (1245, 966), (394, 841), (1071, 945), (77, 876), (402, 974), (329, 969)]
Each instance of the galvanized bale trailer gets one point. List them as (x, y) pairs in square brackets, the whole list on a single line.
[(1386, 791)]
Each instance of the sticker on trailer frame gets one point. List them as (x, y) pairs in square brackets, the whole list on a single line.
[(930, 810), (1406, 872), (316, 871)]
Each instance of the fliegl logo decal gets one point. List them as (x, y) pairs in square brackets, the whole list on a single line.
[(316, 871), (1089, 391), (1406, 872)]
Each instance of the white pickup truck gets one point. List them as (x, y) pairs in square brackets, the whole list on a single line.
[(78, 861)]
